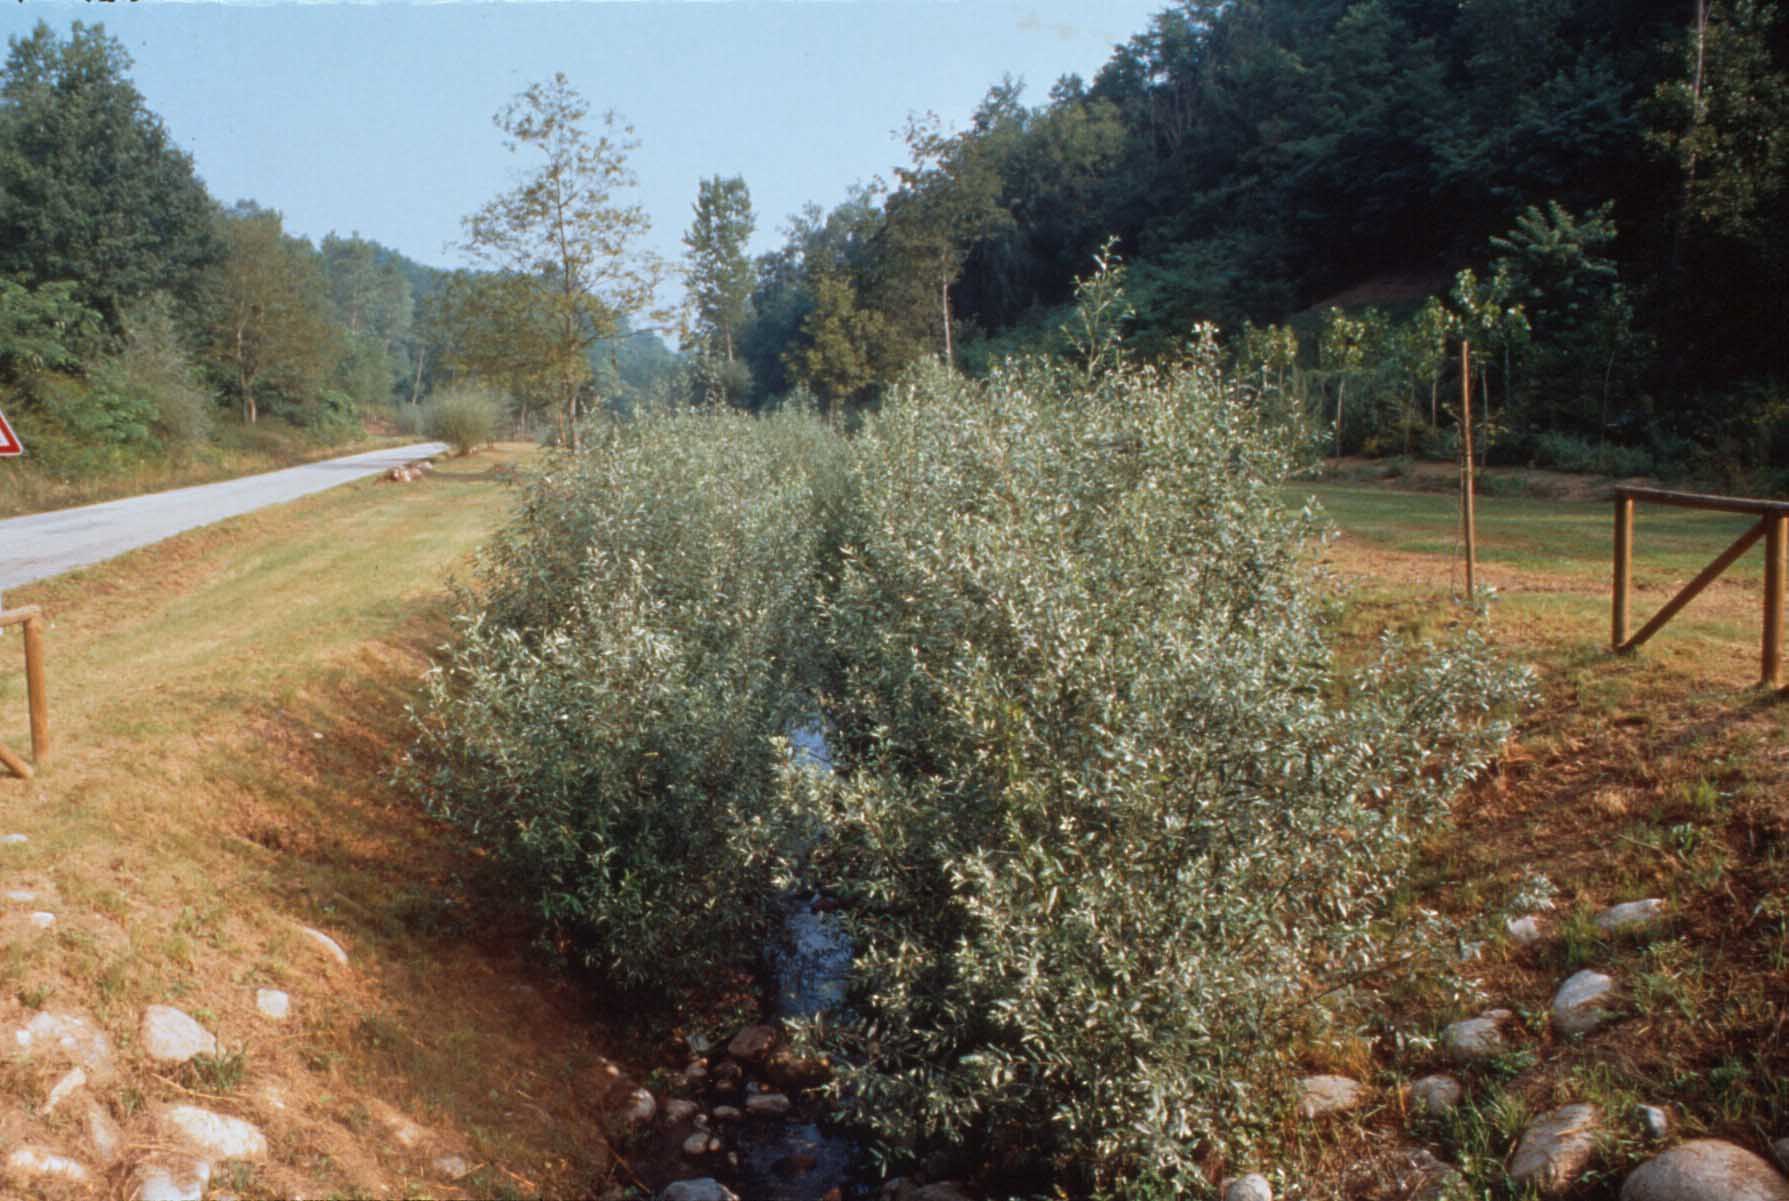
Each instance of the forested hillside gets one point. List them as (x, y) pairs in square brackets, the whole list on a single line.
[(1609, 174)]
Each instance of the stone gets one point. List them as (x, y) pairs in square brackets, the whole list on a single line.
[(639, 1107), (1655, 1120), (451, 1167), (42, 920), (20, 896), (1253, 1187), (325, 944), (1320, 1095), (1575, 1005), (680, 1110), (404, 1132), (1526, 930), (169, 1035), (700, 1143), (71, 1037), (1630, 916), (75, 1078), (1556, 1148), (752, 1044), (273, 1003), (214, 1134), (1705, 1169), (772, 1105), (728, 1113), (103, 1134), (35, 1163), (13, 840), (1476, 1038), (1436, 1095), (705, 1189), (1418, 1175), (1780, 1149), (173, 1180), (796, 1072)]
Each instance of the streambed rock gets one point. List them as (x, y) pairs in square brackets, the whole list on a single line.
[(1438, 1094), (169, 1035), (1556, 1148), (1705, 1169), (704, 1189), (1577, 1005), (38, 1163), (753, 1044), (172, 1180), (72, 1038)]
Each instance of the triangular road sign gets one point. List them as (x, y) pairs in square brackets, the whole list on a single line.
[(9, 441)]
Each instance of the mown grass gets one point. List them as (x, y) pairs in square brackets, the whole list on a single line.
[(225, 710), (1657, 774)]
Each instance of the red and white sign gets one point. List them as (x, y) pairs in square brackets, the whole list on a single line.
[(9, 441)]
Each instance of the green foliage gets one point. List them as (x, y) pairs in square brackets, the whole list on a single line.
[(97, 195), (153, 367), (464, 416), (1114, 822), (43, 328), (606, 721), (720, 275)]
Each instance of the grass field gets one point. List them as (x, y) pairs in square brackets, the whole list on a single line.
[(225, 708), (1659, 774)]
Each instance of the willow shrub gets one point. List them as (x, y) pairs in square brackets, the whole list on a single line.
[(1115, 822), (605, 719)]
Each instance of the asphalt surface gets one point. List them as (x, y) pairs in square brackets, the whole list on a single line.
[(48, 544)]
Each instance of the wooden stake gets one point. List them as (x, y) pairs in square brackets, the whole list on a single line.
[(37, 690), (1624, 569), (14, 764), (1776, 549), (1466, 467)]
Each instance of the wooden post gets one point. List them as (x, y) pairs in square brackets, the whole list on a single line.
[(1624, 569), (1466, 470), (36, 690), (14, 764), (1776, 549)]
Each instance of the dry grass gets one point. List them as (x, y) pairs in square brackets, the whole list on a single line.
[(1654, 775), (225, 709)]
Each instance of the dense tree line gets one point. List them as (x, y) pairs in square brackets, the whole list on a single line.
[(140, 317), (1608, 173)]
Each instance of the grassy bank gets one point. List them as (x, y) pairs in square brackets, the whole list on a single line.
[(225, 708), (1653, 775)]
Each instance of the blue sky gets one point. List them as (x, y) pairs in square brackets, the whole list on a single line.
[(376, 117)]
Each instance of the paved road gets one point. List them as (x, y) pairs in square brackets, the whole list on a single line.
[(47, 544)]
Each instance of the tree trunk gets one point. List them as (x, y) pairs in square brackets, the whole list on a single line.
[(422, 356), (949, 356), (1341, 393)]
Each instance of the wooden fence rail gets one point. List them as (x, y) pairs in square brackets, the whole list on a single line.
[(36, 690), (1772, 527)]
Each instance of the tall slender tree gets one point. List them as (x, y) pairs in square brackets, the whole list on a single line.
[(565, 245), (720, 273)]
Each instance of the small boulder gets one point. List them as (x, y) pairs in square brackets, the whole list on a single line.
[(1705, 1169), (327, 945), (1526, 930), (1630, 916), (451, 1167), (173, 1180), (699, 1144), (772, 1105), (728, 1113), (214, 1134), (70, 1037), (1576, 1006), (639, 1107), (705, 1189), (272, 1003), (1655, 1120), (1253, 1187), (680, 1110), (1436, 1095), (103, 1134), (170, 1036), (35, 1163), (1320, 1095), (1476, 1038), (752, 1044), (796, 1072), (1556, 1148)]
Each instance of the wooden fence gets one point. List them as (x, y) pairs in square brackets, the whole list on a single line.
[(36, 691), (1772, 527)]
